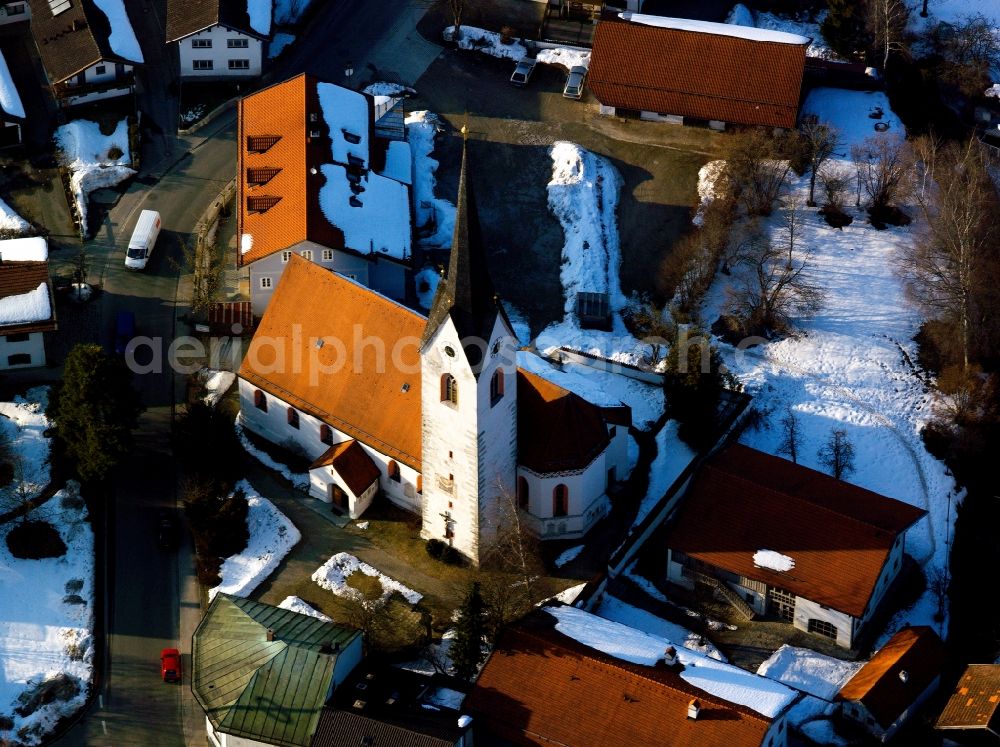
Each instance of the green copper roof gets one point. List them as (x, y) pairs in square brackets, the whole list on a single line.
[(270, 691)]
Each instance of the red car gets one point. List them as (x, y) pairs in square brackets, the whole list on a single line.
[(170, 665)]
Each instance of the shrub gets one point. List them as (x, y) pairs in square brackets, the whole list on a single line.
[(61, 687), (435, 548), (444, 552), (114, 153), (835, 217), (34, 540)]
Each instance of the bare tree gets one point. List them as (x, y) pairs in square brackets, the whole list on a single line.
[(17, 495), (756, 171), (837, 454), (791, 438), (948, 263), (967, 49), (514, 549), (653, 325), (886, 22), (884, 166), (821, 141)]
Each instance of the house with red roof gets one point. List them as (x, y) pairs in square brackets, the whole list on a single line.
[(315, 180), (777, 538), (431, 412), (888, 690), (677, 70)]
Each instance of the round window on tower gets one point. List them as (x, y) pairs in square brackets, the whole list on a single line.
[(449, 351)]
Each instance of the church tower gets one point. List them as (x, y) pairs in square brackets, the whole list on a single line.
[(469, 395)]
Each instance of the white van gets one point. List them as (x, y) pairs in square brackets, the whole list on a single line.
[(140, 246)]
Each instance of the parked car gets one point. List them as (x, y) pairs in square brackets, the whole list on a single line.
[(166, 530), (140, 246), (170, 665), (124, 330), (574, 82), (522, 73)]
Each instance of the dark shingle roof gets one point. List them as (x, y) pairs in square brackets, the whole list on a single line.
[(73, 40), (269, 691), (186, 17)]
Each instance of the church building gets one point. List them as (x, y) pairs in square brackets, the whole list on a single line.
[(432, 412)]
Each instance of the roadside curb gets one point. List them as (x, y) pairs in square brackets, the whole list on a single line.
[(209, 118)]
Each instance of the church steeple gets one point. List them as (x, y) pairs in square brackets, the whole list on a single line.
[(466, 294)]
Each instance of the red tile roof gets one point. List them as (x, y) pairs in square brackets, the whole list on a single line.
[(878, 685), (541, 688), (557, 430), (694, 74), (17, 278), (372, 397), (839, 535), (352, 463), (975, 702)]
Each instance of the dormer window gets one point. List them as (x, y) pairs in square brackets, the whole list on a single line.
[(261, 175), (261, 143), (262, 203)]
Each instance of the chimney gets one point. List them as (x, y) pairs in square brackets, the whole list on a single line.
[(670, 656), (270, 635), (627, 15), (903, 676), (694, 708)]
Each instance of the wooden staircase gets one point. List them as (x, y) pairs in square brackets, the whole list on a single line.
[(722, 590)]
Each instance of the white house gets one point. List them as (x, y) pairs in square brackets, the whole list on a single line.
[(776, 538), (433, 412), (15, 12), (218, 39), (27, 308)]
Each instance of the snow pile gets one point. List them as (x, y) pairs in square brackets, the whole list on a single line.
[(719, 29), (23, 425), (10, 102), (278, 44), (426, 282), (772, 560), (993, 91), (568, 556), (122, 39), (851, 114), (87, 154), (708, 187), (717, 678), (259, 12), (47, 618), (375, 220), (10, 220), (808, 671), (332, 575), (569, 595), (216, 384), (614, 609), (566, 57), (487, 42), (672, 457), (849, 365), (421, 127), (383, 88), (299, 480), (740, 15), (303, 608), (810, 715), (272, 536), (32, 306), (289, 11), (33, 249)]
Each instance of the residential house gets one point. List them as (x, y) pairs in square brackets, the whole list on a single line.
[(262, 674), (782, 539), (972, 713), (314, 180), (27, 308), (434, 412), (559, 681), (88, 48), (383, 705), (891, 687), (219, 39), (677, 70), (15, 12), (11, 109)]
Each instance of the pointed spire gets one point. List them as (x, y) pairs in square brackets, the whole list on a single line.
[(466, 294)]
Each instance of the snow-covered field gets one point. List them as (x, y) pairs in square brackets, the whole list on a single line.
[(23, 423), (421, 127), (848, 365), (333, 574), (272, 536), (303, 608), (299, 479), (86, 153), (808, 671)]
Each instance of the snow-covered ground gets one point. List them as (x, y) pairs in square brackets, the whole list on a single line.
[(801, 26), (86, 153), (47, 617), (122, 38), (847, 366), (278, 44), (672, 457), (568, 556), (272, 536), (851, 113), (289, 11), (487, 42), (10, 220), (421, 127), (436, 657), (718, 678), (10, 101), (23, 423), (216, 384), (303, 608), (808, 671), (333, 574), (298, 479), (612, 608)]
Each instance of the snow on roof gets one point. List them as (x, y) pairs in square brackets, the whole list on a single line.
[(33, 249), (10, 220), (720, 29), (722, 680), (26, 307), (246, 242), (346, 114), (296, 604), (399, 162), (259, 12), (376, 219), (122, 40), (10, 102), (426, 281), (773, 560), (808, 671), (589, 387), (289, 11)]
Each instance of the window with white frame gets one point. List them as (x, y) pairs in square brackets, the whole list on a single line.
[(202, 65), (328, 255), (239, 64), (201, 43), (822, 627), (286, 255), (265, 283), (307, 254), (237, 43)]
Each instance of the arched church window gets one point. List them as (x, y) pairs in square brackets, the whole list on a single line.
[(392, 469), (560, 500)]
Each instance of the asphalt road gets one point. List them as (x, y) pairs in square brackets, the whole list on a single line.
[(152, 601)]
